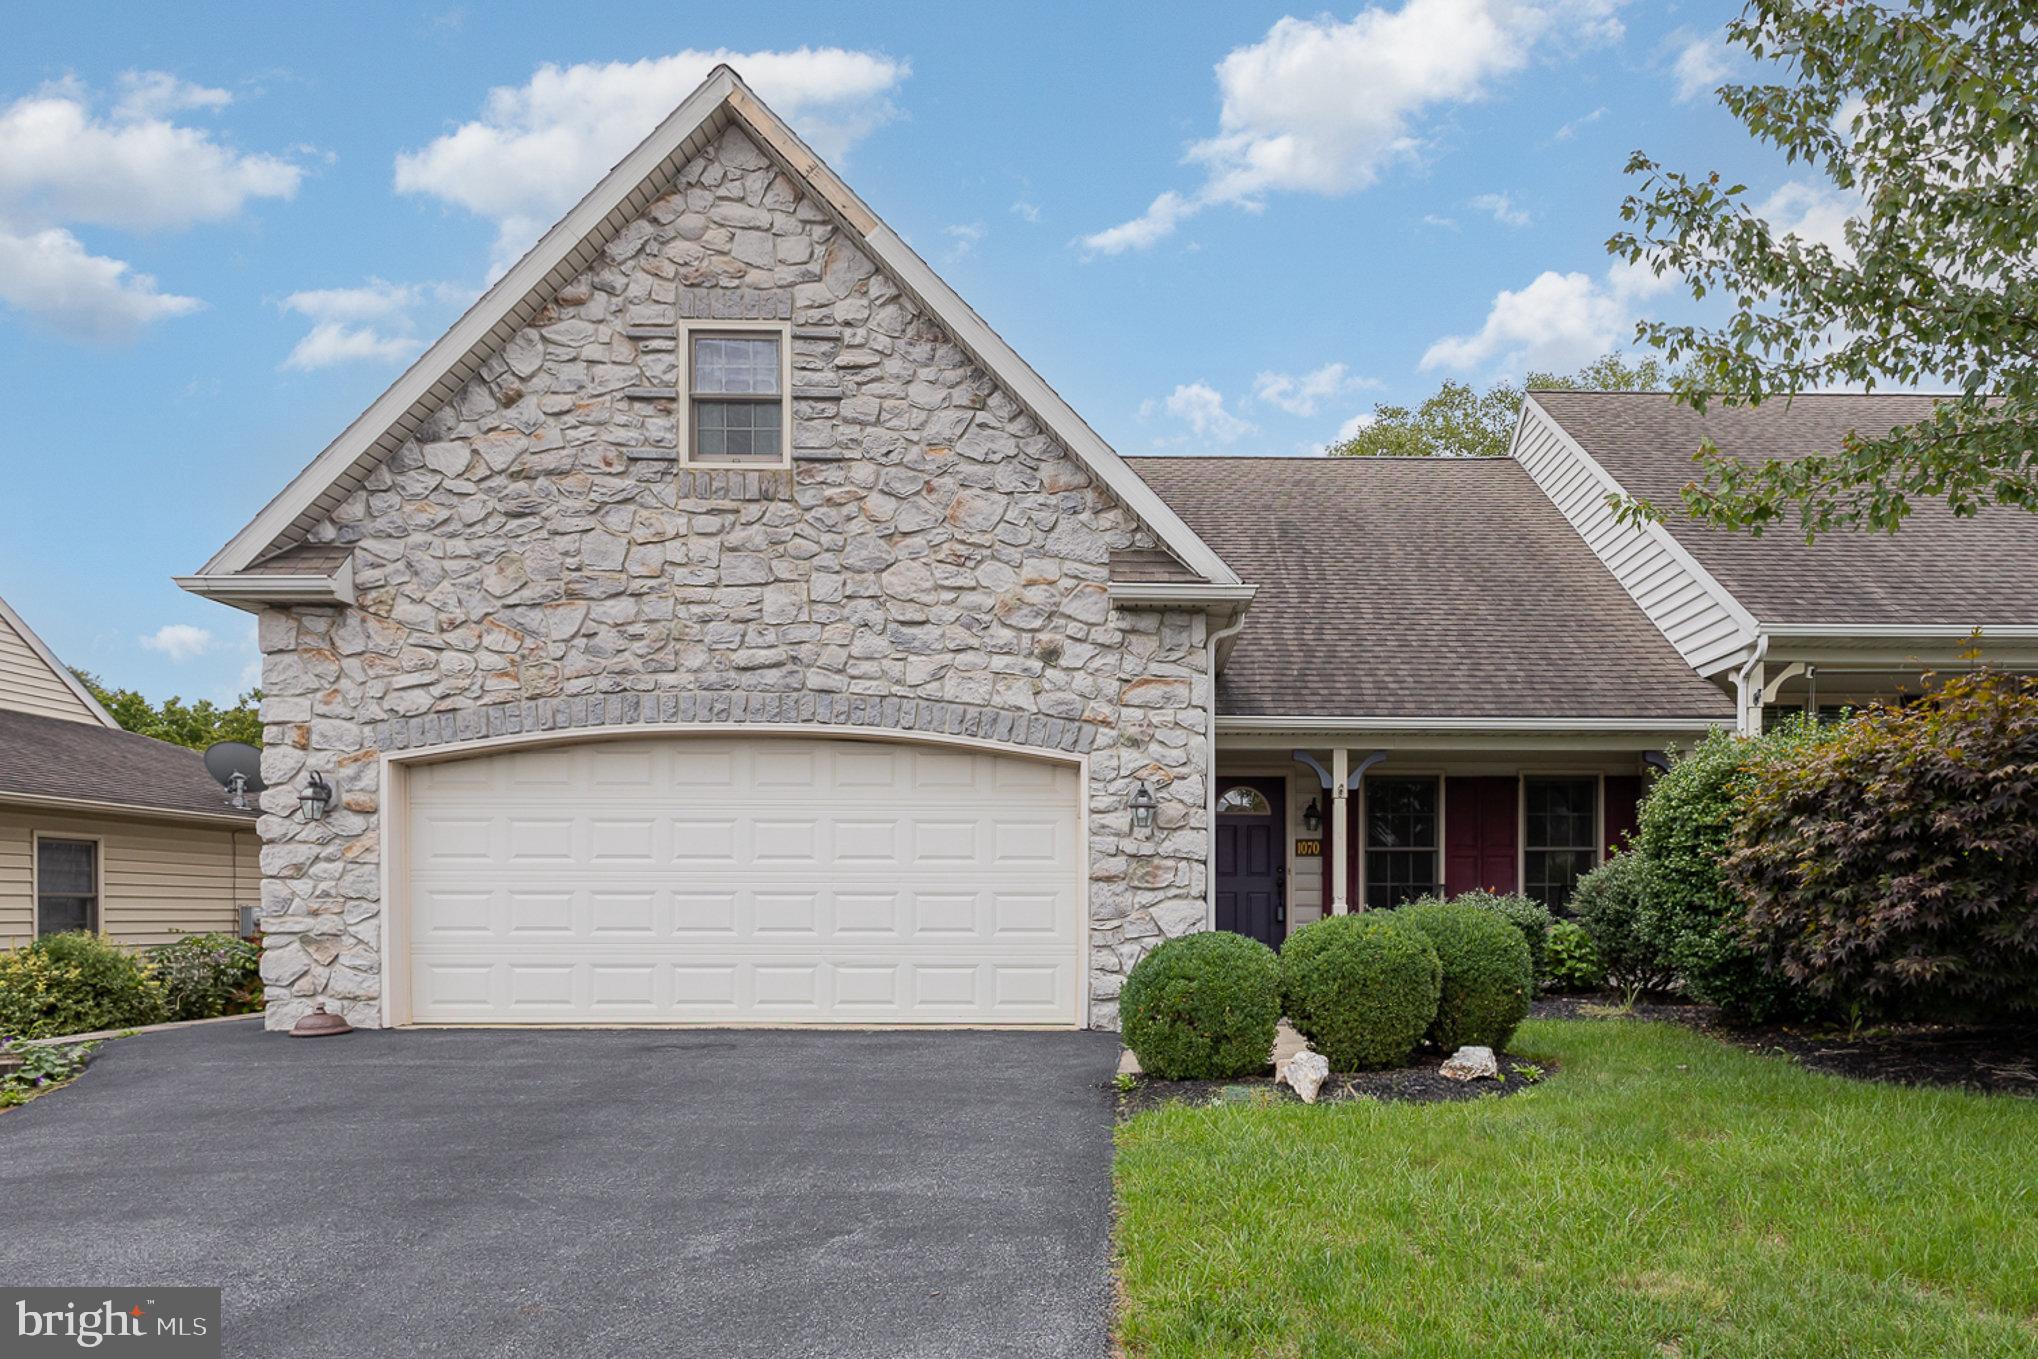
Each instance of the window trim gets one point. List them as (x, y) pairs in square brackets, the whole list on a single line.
[(1365, 810), (691, 330), (98, 843), (1521, 844)]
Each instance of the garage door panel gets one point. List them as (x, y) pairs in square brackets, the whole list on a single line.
[(735, 881)]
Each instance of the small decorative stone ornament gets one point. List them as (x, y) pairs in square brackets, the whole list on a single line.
[(1471, 1064), (1305, 1073), (321, 1024)]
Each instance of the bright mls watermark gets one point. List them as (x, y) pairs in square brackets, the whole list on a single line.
[(164, 1323)]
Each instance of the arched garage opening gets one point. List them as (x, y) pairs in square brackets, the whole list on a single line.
[(750, 878)]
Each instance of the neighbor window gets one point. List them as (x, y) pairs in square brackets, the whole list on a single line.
[(1560, 836), (66, 885), (1401, 841), (736, 398)]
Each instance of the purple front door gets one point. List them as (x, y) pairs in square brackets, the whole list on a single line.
[(1481, 818), (1251, 864)]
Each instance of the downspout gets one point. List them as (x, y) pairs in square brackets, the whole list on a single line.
[(1743, 675), (1213, 639)]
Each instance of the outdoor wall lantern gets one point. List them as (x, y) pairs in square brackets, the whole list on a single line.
[(1312, 817), (1142, 808), (316, 798)]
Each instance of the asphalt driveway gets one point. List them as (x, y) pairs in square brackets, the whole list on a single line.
[(715, 1193)]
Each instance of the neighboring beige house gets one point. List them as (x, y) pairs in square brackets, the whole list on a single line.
[(721, 624), (103, 829)]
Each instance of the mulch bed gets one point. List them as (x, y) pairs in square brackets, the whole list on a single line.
[(1409, 1084), (1994, 1061)]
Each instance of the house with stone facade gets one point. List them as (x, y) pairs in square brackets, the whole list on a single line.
[(721, 624)]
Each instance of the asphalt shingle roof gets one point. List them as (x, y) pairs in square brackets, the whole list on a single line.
[(52, 757), (1937, 568), (1418, 587)]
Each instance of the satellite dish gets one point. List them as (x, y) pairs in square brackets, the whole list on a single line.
[(238, 768)]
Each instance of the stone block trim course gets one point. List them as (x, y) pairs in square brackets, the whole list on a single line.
[(933, 562)]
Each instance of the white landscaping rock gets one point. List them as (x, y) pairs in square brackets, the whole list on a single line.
[(1471, 1064), (1305, 1072)]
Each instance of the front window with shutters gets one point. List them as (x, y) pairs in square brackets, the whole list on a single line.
[(738, 397), (66, 885)]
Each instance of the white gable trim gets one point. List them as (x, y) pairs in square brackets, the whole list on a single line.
[(1688, 605), (56, 667), (580, 236)]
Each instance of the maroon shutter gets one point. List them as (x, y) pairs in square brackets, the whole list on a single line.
[(1623, 801), (1480, 819)]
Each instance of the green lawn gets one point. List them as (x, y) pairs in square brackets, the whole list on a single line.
[(1663, 1194)]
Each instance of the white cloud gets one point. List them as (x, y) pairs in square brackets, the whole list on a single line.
[(1702, 65), (1572, 128), (333, 342), (1350, 428), (1502, 208), (1431, 219), (1301, 395), (963, 238), (1325, 105), (63, 165), (1201, 407), (50, 275), (1025, 211), (1557, 323), (1815, 212), (539, 146), (374, 299), (179, 641), (152, 94)]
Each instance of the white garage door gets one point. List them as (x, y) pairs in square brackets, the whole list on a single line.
[(753, 880)]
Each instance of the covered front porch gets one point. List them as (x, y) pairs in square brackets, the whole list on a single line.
[(1313, 820)]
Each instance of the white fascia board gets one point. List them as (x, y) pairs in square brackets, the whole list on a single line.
[(1871, 634), (57, 667), (1656, 531), (133, 810), (254, 591), (1181, 594), (723, 89), (1495, 725)]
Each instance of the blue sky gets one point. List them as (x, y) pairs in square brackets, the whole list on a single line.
[(1233, 231)]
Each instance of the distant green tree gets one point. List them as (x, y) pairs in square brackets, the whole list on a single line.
[(196, 725), (1459, 421)]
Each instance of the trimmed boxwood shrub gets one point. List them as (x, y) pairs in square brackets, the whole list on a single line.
[(1487, 976), (1572, 961), (1891, 867), (1202, 1007), (207, 975), (75, 983), (1612, 905), (1532, 918), (1361, 988)]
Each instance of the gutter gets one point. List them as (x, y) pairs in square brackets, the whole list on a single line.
[(1180, 594), (258, 590), (99, 807), (1504, 725)]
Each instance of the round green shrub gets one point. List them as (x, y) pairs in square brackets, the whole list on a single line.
[(1361, 988), (1487, 977), (1202, 1007), (207, 975), (1572, 963), (75, 983), (1631, 939), (1532, 918)]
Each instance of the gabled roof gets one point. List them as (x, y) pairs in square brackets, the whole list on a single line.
[(61, 682), (1938, 570), (1422, 588), (575, 242), (51, 760)]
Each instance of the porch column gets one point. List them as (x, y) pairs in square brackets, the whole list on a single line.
[(1340, 834)]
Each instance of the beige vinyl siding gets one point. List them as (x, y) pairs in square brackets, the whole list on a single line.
[(28, 685), (157, 879), (1688, 606)]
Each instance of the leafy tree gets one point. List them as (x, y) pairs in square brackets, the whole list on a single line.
[(1459, 421), (196, 725), (1923, 115)]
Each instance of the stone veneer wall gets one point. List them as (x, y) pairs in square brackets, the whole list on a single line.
[(536, 559)]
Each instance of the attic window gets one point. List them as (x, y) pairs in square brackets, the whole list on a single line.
[(737, 390)]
